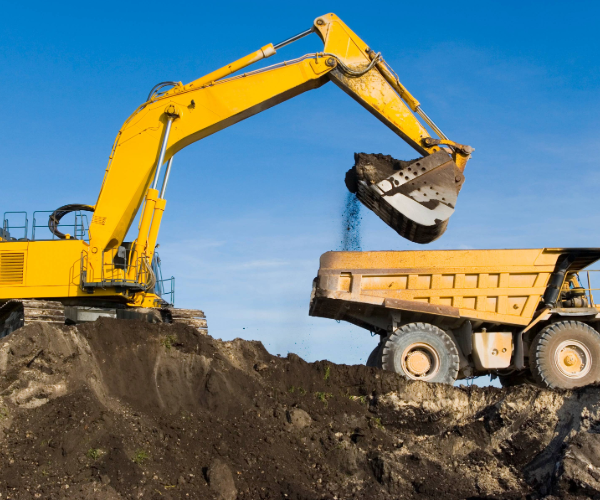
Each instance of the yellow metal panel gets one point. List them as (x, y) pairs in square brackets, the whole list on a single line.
[(530, 305), (12, 268), (384, 282), (469, 302), (492, 304), (423, 282), (471, 280), (483, 280), (503, 286), (447, 281), (480, 303), (516, 304), (522, 280), (345, 281), (413, 281), (456, 292), (492, 349), (494, 260), (51, 270)]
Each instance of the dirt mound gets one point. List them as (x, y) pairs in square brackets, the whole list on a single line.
[(120, 409)]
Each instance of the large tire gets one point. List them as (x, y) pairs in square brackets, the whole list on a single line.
[(566, 355), (420, 351), (374, 360)]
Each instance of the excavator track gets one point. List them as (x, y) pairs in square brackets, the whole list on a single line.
[(190, 317), (15, 314)]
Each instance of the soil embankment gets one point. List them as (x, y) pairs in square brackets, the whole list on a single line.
[(121, 409)]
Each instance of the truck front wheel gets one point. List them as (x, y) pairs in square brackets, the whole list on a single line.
[(566, 355), (420, 351)]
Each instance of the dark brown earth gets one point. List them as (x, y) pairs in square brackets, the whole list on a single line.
[(121, 409), (373, 168)]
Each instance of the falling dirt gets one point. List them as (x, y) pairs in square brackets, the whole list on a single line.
[(121, 409), (351, 219)]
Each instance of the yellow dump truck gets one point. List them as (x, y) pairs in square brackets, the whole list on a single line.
[(523, 315)]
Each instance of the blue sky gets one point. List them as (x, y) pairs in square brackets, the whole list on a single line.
[(519, 81)]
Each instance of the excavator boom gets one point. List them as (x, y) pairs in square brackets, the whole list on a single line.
[(212, 103), (415, 198)]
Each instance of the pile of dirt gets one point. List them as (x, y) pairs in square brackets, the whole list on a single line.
[(121, 409)]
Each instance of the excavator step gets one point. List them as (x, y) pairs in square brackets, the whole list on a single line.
[(415, 198)]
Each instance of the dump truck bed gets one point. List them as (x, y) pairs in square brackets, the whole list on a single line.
[(442, 287)]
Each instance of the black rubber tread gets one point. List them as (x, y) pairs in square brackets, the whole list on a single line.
[(374, 359), (541, 354), (422, 332)]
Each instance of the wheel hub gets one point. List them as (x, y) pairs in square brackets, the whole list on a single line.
[(420, 361), (570, 359), (573, 359)]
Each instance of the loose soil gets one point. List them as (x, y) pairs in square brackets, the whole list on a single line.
[(123, 409), (373, 168), (351, 219)]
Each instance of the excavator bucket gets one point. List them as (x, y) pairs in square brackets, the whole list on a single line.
[(415, 198)]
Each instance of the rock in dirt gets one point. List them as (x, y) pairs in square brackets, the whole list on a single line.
[(298, 418), (121, 409), (220, 480)]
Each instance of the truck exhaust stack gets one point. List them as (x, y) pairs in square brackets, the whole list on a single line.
[(415, 198)]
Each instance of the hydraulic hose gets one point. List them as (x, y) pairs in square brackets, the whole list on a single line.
[(59, 213), (556, 280), (152, 277)]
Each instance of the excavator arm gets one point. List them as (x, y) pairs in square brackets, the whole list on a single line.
[(169, 121)]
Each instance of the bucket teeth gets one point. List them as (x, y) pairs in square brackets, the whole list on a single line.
[(415, 198)]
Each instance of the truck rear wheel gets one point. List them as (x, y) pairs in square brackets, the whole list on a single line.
[(420, 351), (566, 355)]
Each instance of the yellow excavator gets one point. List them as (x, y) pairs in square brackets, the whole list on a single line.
[(91, 271)]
